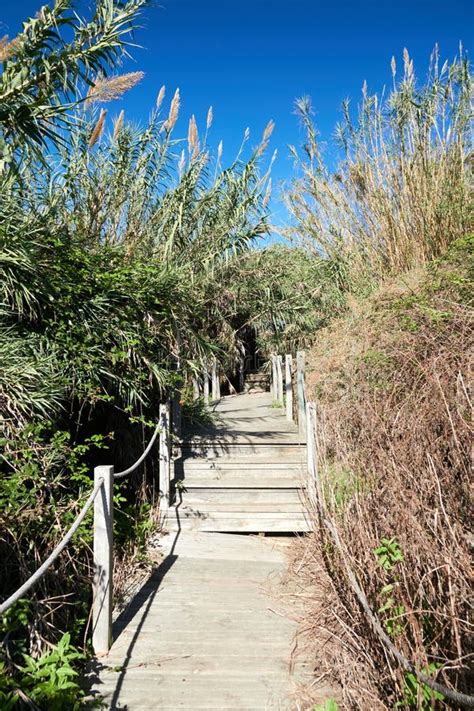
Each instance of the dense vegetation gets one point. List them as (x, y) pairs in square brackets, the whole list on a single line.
[(390, 379), (128, 255)]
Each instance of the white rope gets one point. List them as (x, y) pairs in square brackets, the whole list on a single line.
[(51, 558), (119, 475)]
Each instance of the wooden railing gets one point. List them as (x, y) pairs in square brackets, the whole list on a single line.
[(102, 497), (207, 383), (288, 388)]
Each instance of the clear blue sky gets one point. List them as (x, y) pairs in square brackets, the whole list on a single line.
[(250, 59)]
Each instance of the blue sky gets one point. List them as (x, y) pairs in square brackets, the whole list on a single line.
[(250, 59)]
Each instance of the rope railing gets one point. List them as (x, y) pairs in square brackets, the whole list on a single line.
[(316, 498), (120, 475), (104, 478), (33, 579)]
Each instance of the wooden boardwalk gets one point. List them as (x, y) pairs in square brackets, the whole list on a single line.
[(207, 631), (245, 474)]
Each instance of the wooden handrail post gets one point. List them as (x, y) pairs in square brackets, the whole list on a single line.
[(165, 456), (215, 381), (314, 483), (176, 413), (205, 376), (273, 387), (103, 561), (288, 388), (300, 365), (279, 363), (310, 453)]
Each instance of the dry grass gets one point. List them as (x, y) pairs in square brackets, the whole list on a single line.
[(392, 385)]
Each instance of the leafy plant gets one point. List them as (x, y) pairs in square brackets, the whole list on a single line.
[(417, 695), (50, 681), (388, 553)]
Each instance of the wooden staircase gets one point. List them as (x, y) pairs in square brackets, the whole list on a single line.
[(256, 382), (246, 474)]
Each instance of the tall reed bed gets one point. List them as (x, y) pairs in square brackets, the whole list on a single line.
[(401, 192)]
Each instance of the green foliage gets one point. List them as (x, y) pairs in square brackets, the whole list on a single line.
[(329, 705), (197, 413), (388, 553), (340, 484), (417, 695), (50, 681), (43, 73)]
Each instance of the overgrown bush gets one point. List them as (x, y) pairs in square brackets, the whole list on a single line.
[(392, 386)]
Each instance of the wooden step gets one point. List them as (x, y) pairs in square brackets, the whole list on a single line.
[(294, 474), (244, 507), (198, 495), (236, 521), (195, 464), (239, 448), (240, 483)]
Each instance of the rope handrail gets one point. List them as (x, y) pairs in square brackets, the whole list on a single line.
[(119, 475), (54, 554)]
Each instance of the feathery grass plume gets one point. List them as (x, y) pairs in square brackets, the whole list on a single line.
[(247, 134), (98, 129), (267, 195), (265, 177), (220, 150), (262, 148), (107, 89), (8, 47), (170, 122), (209, 118), (193, 139), (160, 97), (268, 131), (118, 124)]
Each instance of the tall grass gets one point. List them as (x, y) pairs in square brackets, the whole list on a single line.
[(402, 191)]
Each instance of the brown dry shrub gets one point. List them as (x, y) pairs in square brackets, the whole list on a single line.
[(392, 386)]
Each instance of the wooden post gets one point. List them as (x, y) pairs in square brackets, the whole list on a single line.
[(102, 586), (274, 379), (288, 388), (176, 413), (165, 456), (300, 364), (310, 451), (215, 381), (205, 376), (195, 388), (314, 484), (279, 370)]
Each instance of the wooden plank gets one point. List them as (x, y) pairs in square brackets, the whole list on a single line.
[(250, 485), (213, 508), (284, 525), (194, 496), (165, 455), (300, 386), (288, 388), (102, 585)]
